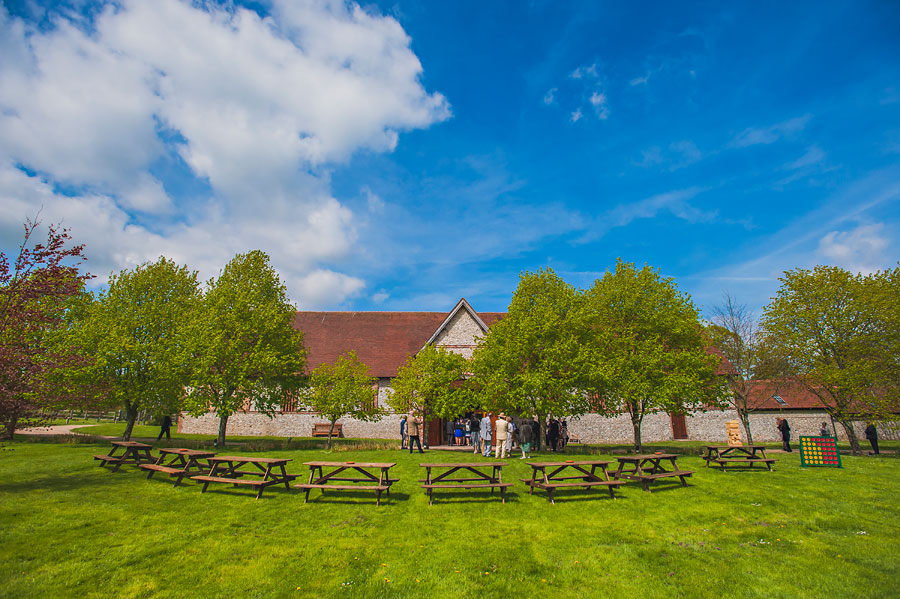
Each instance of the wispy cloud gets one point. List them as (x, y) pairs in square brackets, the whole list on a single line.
[(639, 80), (679, 154), (550, 96), (598, 101), (576, 115), (767, 135), (585, 72), (861, 249)]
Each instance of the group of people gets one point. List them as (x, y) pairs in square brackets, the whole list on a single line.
[(488, 435), (785, 429)]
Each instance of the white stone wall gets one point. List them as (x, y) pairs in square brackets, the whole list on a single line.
[(288, 425), (459, 334)]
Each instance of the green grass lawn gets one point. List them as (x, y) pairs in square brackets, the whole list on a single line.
[(69, 528)]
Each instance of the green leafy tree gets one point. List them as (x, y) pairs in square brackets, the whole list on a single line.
[(135, 334), (530, 361), (244, 350), (836, 332), (647, 348), (344, 389), (429, 384)]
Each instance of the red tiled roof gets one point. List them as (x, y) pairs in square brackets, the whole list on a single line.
[(796, 396), (382, 340)]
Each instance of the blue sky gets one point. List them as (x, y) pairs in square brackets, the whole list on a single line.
[(401, 155)]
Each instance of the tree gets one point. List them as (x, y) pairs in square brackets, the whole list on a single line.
[(34, 290), (529, 362), (136, 332), (244, 349), (647, 349), (837, 334), (429, 384), (735, 332), (343, 389)]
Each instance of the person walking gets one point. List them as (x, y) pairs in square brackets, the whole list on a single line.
[(501, 436), (403, 434), (785, 429), (475, 428), (526, 432), (164, 427), (563, 435), (872, 436), (412, 426), (486, 434)]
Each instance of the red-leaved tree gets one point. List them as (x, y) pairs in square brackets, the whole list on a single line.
[(34, 290)]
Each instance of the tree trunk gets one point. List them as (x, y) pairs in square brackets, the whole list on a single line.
[(745, 420), (542, 427), (131, 415), (636, 423), (223, 422), (851, 435), (9, 427), (330, 432)]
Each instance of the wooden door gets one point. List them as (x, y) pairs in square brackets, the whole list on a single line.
[(679, 426), (433, 432)]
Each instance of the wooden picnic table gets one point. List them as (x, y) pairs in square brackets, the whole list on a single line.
[(132, 453), (224, 469), (376, 474), (729, 455), (560, 473), (648, 468), (182, 463), (464, 475)]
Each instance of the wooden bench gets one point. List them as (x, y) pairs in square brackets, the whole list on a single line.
[(645, 479), (322, 429), (104, 459), (378, 489), (724, 461), (502, 486)]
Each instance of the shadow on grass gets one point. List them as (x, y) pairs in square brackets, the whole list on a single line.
[(354, 498)]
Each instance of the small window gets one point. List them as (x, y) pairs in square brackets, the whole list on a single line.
[(779, 400)]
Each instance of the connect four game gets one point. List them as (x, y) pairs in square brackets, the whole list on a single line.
[(819, 451)]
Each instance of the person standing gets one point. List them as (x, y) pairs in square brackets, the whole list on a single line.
[(526, 432), (552, 434), (412, 427), (166, 425), (823, 431), (486, 434), (501, 435), (511, 434), (475, 428), (785, 429), (403, 434), (872, 436), (563, 434)]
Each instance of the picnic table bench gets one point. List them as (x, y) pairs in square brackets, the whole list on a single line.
[(730, 455), (648, 468), (132, 453), (562, 471), (183, 462), (223, 469), (349, 472), (471, 477), (322, 429)]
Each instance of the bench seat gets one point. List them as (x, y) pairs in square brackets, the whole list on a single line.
[(585, 483), (429, 488), (234, 481), (108, 458), (378, 489), (678, 473)]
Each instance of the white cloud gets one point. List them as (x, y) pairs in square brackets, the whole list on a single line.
[(258, 107), (771, 134), (576, 116), (320, 287), (380, 296), (860, 250), (814, 155), (550, 96), (585, 72), (639, 80), (598, 101)]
